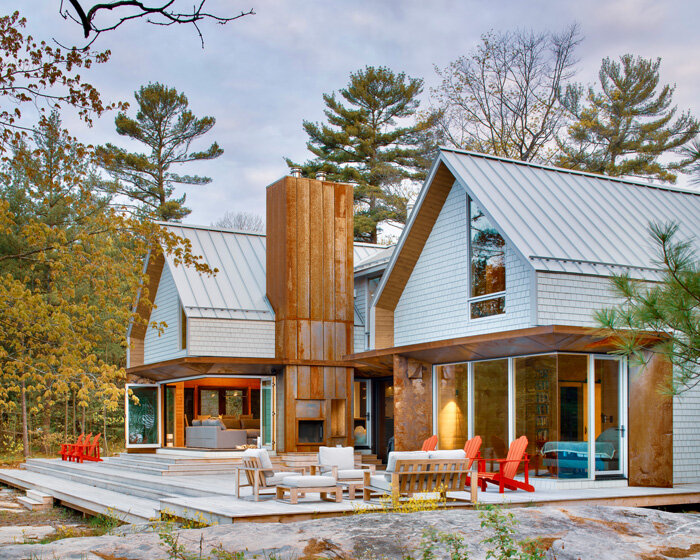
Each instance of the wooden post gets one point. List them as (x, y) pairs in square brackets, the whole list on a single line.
[(474, 487)]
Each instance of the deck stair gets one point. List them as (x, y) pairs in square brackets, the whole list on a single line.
[(171, 466), (83, 497), (101, 475), (36, 501)]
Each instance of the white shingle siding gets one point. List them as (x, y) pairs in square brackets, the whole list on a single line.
[(571, 299), (231, 337), (434, 303), (359, 337), (686, 437), (165, 346)]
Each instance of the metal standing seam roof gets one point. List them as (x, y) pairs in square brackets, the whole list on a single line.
[(379, 257), (238, 289), (364, 251), (574, 222)]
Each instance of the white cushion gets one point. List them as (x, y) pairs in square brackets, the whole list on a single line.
[(380, 481), (264, 458), (309, 481), (403, 456), (350, 474), (278, 477), (448, 454), (341, 457)]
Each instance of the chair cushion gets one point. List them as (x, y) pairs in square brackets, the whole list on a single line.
[(250, 423), (341, 457), (406, 456), (278, 477), (350, 474), (447, 454), (309, 481), (380, 481), (231, 422), (264, 458), (196, 422)]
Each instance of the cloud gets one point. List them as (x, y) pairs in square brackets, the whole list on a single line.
[(261, 76)]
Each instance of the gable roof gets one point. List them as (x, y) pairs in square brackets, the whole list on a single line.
[(238, 290), (570, 221), (559, 220)]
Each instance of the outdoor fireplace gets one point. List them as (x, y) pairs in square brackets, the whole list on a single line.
[(310, 431)]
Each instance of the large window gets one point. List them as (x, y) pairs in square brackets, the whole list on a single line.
[(230, 402), (491, 407), (569, 406), (488, 266)]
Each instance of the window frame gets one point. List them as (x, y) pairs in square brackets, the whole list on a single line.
[(484, 297)]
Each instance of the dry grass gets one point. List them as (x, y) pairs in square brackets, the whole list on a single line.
[(56, 517)]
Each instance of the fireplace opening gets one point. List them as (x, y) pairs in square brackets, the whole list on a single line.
[(310, 431)]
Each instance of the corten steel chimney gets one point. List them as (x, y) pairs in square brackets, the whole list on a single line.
[(310, 287)]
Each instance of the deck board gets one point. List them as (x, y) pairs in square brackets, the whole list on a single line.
[(212, 497)]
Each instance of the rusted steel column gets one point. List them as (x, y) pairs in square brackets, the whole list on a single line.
[(413, 403), (651, 424)]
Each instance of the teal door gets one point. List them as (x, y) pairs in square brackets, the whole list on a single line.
[(267, 412)]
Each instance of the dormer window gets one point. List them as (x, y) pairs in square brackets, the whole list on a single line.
[(488, 266)]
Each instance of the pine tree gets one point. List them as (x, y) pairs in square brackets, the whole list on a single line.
[(671, 306), (374, 139), (628, 124), (166, 125)]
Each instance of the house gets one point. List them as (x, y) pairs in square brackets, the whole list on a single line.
[(485, 310), (477, 322)]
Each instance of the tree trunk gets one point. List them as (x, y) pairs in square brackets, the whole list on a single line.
[(25, 422), (104, 427), (65, 426), (82, 421), (75, 417)]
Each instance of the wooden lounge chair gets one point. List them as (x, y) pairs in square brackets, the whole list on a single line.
[(260, 474), (415, 476), (67, 448), (430, 444), (507, 468), (90, 451), (472, 452)]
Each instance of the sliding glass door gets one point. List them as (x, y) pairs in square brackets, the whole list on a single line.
[(571, 407), (609, 421)]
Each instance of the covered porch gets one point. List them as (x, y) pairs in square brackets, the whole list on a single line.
[(194, 404), (588, 414)]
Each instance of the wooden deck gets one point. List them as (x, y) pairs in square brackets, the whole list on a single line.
[(137, 495)]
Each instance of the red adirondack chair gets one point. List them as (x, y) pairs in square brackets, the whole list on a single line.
[(471, 451), (507, 468), (77, 449), (68, 448), (430, 444), (90, 451)]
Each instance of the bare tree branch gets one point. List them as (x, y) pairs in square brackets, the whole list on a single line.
[(163, 13)]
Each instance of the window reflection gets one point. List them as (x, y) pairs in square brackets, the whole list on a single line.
[(488, 268)]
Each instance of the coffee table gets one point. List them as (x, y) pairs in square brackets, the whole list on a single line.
[(302, 485)]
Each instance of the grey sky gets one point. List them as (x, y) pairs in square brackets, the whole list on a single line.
[(262, 75)]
